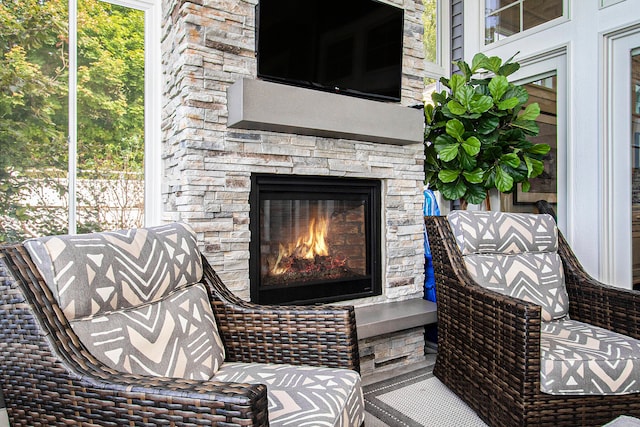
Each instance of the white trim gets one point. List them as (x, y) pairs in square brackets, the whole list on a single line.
[(616, 243), (606, 3), (73, 114), (153, 115)]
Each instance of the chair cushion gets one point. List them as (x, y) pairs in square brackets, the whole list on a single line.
[(582, 359), (90, 274), (503, 233), (303, 395), (134, 299), (514, 254), (533, 277), (175, 337)]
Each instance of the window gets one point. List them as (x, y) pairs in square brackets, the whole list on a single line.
[(436, 39), (504, 18), (78, 129)]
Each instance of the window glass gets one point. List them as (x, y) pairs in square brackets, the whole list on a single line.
[(430, 39), (537, 12), (436, 40), (35, 177), (506, 18)]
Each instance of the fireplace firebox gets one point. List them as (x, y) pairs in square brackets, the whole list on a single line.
[(314, 239)]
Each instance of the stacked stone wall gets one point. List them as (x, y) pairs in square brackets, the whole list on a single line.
[(209, 45)]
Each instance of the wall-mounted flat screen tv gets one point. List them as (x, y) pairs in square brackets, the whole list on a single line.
[(352, 47)]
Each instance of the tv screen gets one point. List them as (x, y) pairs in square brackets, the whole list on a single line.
[(352, 47)]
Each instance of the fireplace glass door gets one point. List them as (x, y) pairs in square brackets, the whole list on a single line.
[(314, 239)]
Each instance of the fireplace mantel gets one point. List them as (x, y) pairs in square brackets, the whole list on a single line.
[(262, 105)]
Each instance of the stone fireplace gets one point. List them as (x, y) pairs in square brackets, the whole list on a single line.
[(222, 126)]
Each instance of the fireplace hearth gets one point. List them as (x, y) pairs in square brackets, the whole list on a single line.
[(313, 239)]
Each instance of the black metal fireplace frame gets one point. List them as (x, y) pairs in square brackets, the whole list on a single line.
[(299, 186)]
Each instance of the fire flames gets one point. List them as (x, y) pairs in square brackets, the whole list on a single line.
[(309, 253)]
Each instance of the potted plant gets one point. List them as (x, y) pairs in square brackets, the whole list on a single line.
[(476, 133)]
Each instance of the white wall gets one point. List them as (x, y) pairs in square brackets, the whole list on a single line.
[(578, 42)]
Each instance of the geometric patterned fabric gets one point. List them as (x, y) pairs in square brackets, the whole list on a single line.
[(303, 396), (515, 255), (578, 358), (134, 300)]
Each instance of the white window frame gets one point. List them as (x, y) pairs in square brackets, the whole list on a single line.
[(557, 21), (152, 105), (443, 42)]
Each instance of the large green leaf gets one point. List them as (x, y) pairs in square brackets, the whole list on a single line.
[(475, 194), (428, 113), (540, 149), (439, 98), (498, 86), (480, 104), (504, 181), (526, 186), (534, 166), (492, 64), (509, 68), (508, 103), (456, 81), (517, 92), (477, 61), (475, 176), (456, 108), (453, 190), (531, 112), (467, 161), (464, 67), (455, 128), (448, 175), (471, 146), (487, 124), (464, 95), (529, 126), (447, 152), (510, 159)]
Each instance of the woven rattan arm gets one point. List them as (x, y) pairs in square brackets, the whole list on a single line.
[(596, 303), (299, 335), (48, 375), (488, 343)]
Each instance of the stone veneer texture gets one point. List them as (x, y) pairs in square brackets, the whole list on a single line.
[(207, 46)]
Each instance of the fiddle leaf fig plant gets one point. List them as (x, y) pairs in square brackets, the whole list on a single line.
[(476, 133)]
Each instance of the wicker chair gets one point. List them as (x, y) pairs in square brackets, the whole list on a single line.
[(489, 343), (49, 377)]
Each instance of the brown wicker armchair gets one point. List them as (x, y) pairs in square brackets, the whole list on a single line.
[(489, 343), (48, 376)]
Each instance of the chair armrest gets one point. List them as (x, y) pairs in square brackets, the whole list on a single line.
[(488, 343), (298, 335), (47, 374), (593, 302)]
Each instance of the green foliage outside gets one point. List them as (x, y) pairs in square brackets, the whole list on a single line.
[(34, 74), (476, 134)]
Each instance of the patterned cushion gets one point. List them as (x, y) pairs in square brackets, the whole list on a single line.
[(134, 300), (95, 273), (533, 277), (504, 233), (514, 254), (578, 358), (303, 395)]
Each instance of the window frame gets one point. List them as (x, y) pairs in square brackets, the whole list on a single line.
[(525, 33)]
